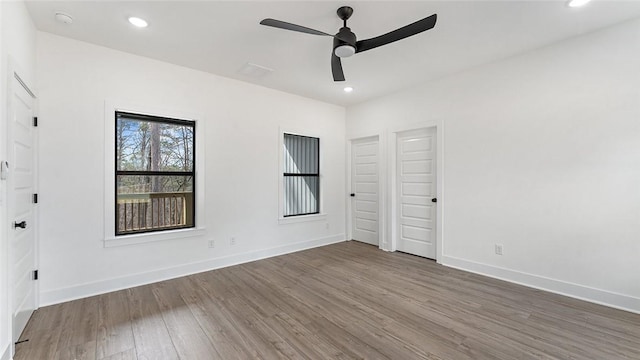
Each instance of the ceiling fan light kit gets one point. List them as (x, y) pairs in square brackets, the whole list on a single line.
[(343, 51), (345, 43)]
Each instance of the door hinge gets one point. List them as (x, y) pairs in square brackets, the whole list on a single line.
[(4, 170), (35, 198), (35, 274), (35, 121)]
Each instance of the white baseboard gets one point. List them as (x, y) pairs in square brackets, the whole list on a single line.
[(598, 296), (104, 286)]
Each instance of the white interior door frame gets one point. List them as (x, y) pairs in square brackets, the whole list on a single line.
[(392, 231), (383, 243)]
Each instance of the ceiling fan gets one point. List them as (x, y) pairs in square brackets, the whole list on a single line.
[(345, 43)]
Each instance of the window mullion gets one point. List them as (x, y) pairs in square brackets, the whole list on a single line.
[(154, 173)]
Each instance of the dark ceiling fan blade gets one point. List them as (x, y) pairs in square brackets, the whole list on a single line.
[(398, 34), (293, 27), (336, 68)]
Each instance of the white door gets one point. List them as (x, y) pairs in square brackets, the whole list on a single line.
[(20, 207), (364, 190), (416, 180)]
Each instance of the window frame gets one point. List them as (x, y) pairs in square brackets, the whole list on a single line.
[(192, 173), (108, 238), (318, 216)]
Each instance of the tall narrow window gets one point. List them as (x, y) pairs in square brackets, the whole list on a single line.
[(155, 173), (301, 175)]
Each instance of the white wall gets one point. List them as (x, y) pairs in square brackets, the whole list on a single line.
[(542, 155), (242, 124), (17, 53)]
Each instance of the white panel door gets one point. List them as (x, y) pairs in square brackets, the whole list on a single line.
[(416, 183), (20, 210), (364, 189)]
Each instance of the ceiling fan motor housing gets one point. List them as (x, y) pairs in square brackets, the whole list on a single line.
[(346, 41)]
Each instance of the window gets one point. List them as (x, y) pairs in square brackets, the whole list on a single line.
[(154, 173), (301, 175)]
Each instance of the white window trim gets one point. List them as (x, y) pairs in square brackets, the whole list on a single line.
[(321, 216), (110, 239)]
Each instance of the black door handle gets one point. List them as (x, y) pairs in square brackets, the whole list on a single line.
[(22, 224), (434, 200), (353, 195)]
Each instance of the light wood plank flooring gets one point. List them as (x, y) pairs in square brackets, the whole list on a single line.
[(343, 301)]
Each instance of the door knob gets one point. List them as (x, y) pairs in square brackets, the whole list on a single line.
[(353, 195), (22, 224), (434, 200)]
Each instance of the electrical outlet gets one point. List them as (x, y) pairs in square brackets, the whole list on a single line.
[(498, 249), (232, 241), (212, 243)]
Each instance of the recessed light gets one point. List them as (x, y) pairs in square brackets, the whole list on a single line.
[(348, 89), (577, 3), (136, 21)]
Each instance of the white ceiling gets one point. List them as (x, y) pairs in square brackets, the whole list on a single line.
[(221, 37)]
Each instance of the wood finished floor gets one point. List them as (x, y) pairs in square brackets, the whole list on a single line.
[(343, 301)]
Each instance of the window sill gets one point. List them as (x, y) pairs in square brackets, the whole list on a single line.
[(152, 237), (302, 218)]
